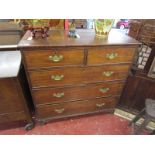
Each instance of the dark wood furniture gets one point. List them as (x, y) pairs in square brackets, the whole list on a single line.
[(14, 92), (143, 30), (76, 76), (13, 103), (140, 85)]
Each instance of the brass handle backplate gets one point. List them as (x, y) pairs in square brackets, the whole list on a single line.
[(57, 77), (108, 73), (58, 95), (104, 90), (55, 58), (59, 111), (99, 105), (111, 55)]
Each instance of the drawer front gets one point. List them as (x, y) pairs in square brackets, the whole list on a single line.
[(110, 55), (57, 95), (71, 76), (46, 59), (75, 108)]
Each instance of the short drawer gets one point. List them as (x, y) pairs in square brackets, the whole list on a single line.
[(50, 58), (57, 95), (110, 55), (81, 75), (75, 108)]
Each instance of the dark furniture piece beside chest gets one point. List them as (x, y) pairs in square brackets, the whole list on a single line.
[(76, 76), (138, 88), (14, 96), (14, 91), (13, 104), (141, 84)]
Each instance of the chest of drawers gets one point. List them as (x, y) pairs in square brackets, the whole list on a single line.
[(70, 77)]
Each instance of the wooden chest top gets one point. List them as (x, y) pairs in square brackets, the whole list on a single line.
[(59, 38)]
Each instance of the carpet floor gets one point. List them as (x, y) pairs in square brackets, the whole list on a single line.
[(102, 124)]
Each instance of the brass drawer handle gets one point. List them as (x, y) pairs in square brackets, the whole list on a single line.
[(99, 105), (111, 55), (57, 77), (58, 95), (108, 73), (104, 90), (59, 111), (55, 58)]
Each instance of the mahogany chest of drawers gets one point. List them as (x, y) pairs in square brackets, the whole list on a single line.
[(76, 76)]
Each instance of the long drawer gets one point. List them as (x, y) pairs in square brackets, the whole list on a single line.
[(57, 95), (50, 58), (110, 55), (75, 108), (74, 75)]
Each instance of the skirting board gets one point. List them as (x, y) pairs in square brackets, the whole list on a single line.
[(129, 116)]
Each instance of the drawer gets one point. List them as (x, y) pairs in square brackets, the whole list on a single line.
[(50, 58), (74, 75), (75, 108), (110, 55), (57, 95)]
